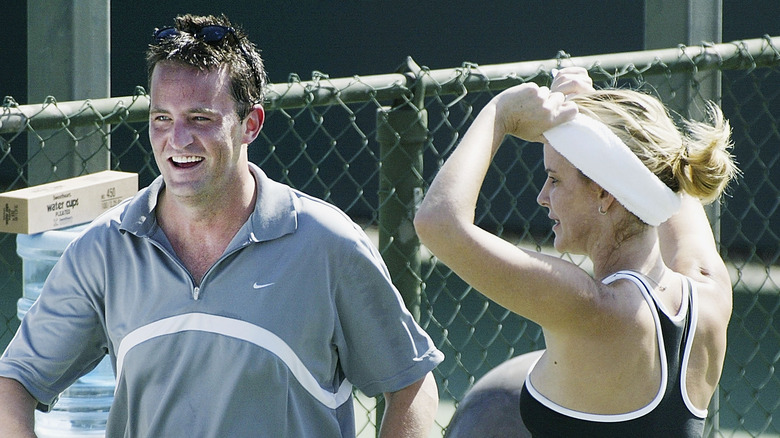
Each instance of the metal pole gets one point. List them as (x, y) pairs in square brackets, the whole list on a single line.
[(402, 131), (68, 57), (690, 22)]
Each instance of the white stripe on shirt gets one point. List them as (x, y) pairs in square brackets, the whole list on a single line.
[(237, 329)]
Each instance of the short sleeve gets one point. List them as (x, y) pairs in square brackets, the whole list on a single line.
[(382, 348), (61, 336)]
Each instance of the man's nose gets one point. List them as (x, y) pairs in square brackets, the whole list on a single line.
[(181, 134)]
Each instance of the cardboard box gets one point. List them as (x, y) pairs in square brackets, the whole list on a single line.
[(64, 203)]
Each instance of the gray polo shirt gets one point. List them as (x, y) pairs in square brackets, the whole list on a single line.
[(298, 309)]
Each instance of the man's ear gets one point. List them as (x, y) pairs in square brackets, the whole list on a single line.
[(253, 123)]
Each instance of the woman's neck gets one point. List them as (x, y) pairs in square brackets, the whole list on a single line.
[(639, 252)]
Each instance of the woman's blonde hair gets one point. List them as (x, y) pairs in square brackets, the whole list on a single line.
[(695, 159)]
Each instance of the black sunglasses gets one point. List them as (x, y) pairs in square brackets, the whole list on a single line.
[(211, 34)]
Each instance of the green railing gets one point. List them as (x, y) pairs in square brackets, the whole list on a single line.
[(370, 145)]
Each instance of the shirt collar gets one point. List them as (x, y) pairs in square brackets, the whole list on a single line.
[(275, 213)]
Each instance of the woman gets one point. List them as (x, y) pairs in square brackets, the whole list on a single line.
[(638, 347)]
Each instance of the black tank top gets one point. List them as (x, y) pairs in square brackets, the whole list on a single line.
[(670, 414)]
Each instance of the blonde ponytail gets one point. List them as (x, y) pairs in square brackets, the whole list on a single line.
[(707, 166)]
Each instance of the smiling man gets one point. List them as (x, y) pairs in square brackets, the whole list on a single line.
[(230, 304)]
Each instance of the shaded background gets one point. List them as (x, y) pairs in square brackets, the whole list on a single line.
[(346, 38)]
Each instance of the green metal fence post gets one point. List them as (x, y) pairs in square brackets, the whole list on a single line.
[(68, 56), (402, 131), (690, 22)]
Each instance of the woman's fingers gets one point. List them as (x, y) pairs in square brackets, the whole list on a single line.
[(571, 80)]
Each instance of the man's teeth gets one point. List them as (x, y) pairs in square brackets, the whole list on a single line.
[(186, 159)]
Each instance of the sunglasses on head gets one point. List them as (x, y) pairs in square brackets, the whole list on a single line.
[(211, 34)]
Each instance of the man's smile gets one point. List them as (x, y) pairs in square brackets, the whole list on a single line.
[(186, 161)]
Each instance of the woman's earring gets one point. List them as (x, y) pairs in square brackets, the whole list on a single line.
[(603, 213)]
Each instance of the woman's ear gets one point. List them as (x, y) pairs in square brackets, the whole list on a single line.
[(605, 198)]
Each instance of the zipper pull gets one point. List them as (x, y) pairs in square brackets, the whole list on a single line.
[(196, 293)]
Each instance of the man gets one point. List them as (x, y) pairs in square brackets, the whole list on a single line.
[(230, 305)]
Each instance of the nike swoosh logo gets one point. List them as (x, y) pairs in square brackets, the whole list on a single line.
[(261, 286)]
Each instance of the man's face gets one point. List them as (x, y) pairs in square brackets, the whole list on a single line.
[(196, 136)]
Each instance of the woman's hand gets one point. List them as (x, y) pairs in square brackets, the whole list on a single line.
[(526, 111), (571, 80)]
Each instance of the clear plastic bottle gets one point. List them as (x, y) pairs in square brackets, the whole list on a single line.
[(82, 410)]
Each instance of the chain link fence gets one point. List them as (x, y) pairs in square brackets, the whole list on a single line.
[(371, 144)]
